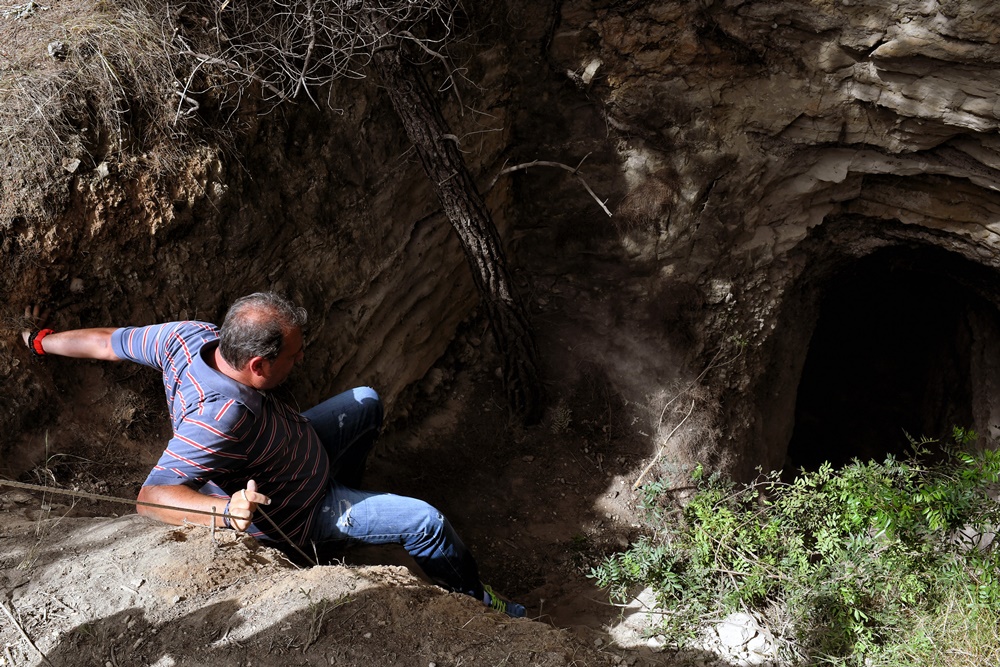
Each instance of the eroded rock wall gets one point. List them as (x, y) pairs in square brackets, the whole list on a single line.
[(754, 151)]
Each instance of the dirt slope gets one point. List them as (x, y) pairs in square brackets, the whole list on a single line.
[(124, 591)]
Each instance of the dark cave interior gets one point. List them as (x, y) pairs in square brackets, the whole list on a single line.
[(889, 356)]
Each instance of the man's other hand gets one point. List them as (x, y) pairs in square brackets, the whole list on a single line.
[(243, 504), (35, 318)]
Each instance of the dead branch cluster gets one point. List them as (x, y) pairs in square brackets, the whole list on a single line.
[(296, 46)]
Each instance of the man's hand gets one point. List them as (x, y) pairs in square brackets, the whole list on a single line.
[(79, 343), (35, 317), (244, 504)]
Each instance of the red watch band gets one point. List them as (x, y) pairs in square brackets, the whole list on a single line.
[(36, 341)]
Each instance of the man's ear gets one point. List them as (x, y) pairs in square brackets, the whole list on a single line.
[(256, 365)]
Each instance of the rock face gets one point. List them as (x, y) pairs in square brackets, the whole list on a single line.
[(768, 153), (802, 253)]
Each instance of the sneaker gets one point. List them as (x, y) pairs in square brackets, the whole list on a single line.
[(512, 609)]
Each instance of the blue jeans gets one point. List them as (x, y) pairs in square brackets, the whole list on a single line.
[(348, 425)]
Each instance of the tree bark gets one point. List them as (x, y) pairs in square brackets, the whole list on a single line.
[(439, 154)]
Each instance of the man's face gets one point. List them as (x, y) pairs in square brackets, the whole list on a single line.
[(277, 370)]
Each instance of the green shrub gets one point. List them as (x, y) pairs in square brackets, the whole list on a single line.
[(871, 564)]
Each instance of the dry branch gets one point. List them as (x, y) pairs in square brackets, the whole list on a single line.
[(575, 171), (24, 634), (298, 45), (234, 67), (656, 458)]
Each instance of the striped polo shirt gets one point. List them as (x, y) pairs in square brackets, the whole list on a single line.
[(226, 433)]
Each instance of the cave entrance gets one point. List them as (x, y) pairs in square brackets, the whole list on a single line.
[(891, 353)]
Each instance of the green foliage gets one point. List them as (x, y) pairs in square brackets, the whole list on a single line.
[(859, 566)]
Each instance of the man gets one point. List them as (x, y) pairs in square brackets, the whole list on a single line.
[(236, 447)]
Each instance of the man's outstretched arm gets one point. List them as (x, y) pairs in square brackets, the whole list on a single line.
[(79, 343)]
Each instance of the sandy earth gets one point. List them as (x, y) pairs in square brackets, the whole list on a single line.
[(537, 506), (123, 591)]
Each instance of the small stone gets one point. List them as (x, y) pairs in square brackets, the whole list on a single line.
[(528, 459), (57, 50), (656, 642), (591, 70), (758, 644), (736, 630), (368, 635), (598, 642), (102, 170), (71, 164)]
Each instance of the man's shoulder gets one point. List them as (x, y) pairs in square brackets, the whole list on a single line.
[(191, 329), (192, 335), (136, 340), (215, 413)]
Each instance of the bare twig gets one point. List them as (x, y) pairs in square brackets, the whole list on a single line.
[(656, 458), (302, 82), (187, 98), (547, 163), (24, 634), (234, 67), (710, 366)]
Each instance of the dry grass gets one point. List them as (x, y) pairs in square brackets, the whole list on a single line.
[(91, 88), (648, 202), (965, 634)]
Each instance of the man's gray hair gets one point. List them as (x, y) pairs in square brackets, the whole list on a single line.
[(255, 326)]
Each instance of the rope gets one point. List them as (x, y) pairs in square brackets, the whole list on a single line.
[(132, 501)]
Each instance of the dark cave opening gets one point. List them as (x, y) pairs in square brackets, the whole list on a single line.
[(889, 356)]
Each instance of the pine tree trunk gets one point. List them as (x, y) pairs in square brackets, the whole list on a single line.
[(443, 162)]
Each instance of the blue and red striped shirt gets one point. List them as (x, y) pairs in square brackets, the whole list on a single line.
[(226, 433)]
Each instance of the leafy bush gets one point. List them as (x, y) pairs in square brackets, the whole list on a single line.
[(872, 564)]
